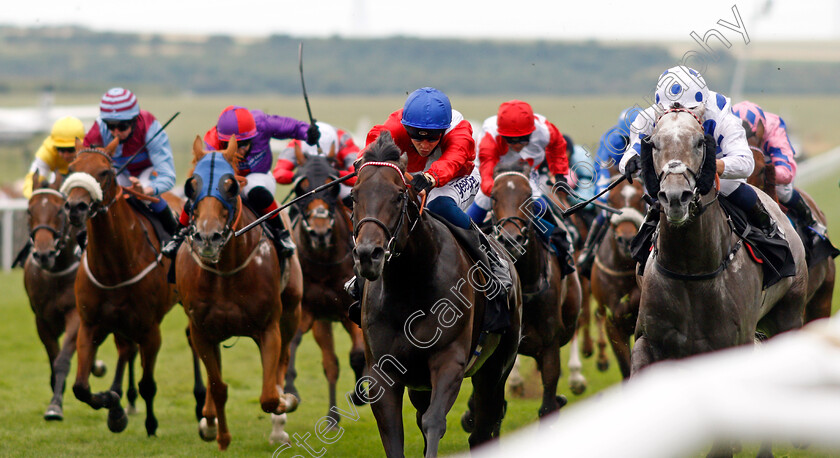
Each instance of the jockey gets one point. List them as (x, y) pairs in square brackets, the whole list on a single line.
[(611, 148), (770, 129), (152, 171), (56, 152), (253, 130), (334, 143), (54, 156), (517, 134), (441, 152), (683, 87)]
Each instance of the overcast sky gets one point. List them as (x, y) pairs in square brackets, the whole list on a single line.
[(548, 19)]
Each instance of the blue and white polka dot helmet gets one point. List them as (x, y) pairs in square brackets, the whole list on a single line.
[(681, 85)]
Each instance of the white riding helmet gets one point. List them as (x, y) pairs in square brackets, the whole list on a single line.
[(681, 85), (328, 141)]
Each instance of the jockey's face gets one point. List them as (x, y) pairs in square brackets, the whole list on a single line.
[(67, 154), (120, 129), (425, 147)]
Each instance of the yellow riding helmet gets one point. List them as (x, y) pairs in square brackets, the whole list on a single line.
[(66, 130)]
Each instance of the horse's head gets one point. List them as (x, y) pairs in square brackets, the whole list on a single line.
[(628, 198), (380, 197), (317, 211), (511, 193), (678, 163), (91, 186), (214, 192), (48, 225)]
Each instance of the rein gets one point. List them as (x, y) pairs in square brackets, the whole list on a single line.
[(228, 273), (128, 282), (524, 225)]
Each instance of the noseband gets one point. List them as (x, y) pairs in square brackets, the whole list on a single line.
[(524, 225), (390, 234), (101, 208)]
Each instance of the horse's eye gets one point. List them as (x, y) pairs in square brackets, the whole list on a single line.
[(700, 143)]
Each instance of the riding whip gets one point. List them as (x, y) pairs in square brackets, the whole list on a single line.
[(568, 190), (293, 201), (122, 168), (574, 208)]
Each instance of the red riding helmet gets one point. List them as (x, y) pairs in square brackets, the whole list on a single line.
[(515, 119), (237, 121)]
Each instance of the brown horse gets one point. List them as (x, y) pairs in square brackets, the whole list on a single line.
[(121, 287), (323, 234), (614, 274), (422, 309), (235, 286), (821, 275), (700, 291), (551, 301), (48, 276)]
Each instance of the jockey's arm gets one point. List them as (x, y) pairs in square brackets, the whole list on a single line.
[(732, 139), (43, 169), (556, 154), (458, 149), (284, 170), (780, 151), (160, 153), (488, 157)]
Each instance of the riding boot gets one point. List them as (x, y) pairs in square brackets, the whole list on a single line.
[(282, 238), (561, 244), (170, 248), (799, 209), (496, 313), (23, 254), (355, 287), (168, 221), (760, 218), (593, 240)]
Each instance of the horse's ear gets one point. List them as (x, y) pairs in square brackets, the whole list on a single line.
[(699, 110), (36, 180), (109, 150), (299, 156), (331, 154), (230, 153), (525, 167), (59, 180), (198, 149), (80, 145), (403, 161)]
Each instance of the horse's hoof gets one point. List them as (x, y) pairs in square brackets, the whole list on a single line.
[(517, 389), (278, 435), (99, 368), (206, 432), (357, 400), (292, 402), (279, 438), (117, 420), (131, 410), (561, 401), (151, 426), (334, 416), (577, 385), (290, 389), (467, 421), (603, 365), (54, 413)]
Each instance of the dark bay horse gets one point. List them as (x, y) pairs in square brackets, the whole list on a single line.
[(422, 309), (121, 286), (700, 292), (551, 301), (323, 234), (235, 286), (48, 276), (821, 275), (614, 285)]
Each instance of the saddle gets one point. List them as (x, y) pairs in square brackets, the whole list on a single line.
[(144, 210)]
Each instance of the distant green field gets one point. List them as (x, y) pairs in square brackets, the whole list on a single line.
[(24, 375)]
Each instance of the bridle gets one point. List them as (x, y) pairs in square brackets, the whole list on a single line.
[(227, 230), (523, 225), (98, 206), (390, 234), (59, 235)]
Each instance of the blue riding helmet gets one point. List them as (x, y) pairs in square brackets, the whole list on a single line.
[(427, 108), (210, 172), (626, 118)]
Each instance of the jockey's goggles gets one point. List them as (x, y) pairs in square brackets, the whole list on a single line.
[(518, 140), (65, 149), (121, 126), (239, 144), (429, 135)]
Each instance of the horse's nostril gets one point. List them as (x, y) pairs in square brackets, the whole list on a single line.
[(216, 237), (377, 254), (662, 196), (197, 237), (686, 196)]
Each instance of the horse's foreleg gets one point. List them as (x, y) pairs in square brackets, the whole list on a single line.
[(488, 398), (446, 371), (585, 317), (549, 362), (213, 424), (50, 342), (620, 342), (641, 355), (289, 324), (577, 382), (322, 331), (61, 366), (603, 363), (123, 351), (387, 410), (87, 342), (269, 344), (199, 390), (357, 355), (304, 326), (420, 400), (148, 388)]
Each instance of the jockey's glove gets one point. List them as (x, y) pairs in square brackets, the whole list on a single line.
[(313, 134), (633, 166), (421, 182)]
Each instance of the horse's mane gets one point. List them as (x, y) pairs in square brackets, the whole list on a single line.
[(515, 166), (383, 149)]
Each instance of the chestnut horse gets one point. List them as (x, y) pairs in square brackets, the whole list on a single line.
[(421, 316), (235, 286), (48, 276), (614, 285), (121, 287), (551, 301), (323, 234), (701, 292), (821, 275)]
